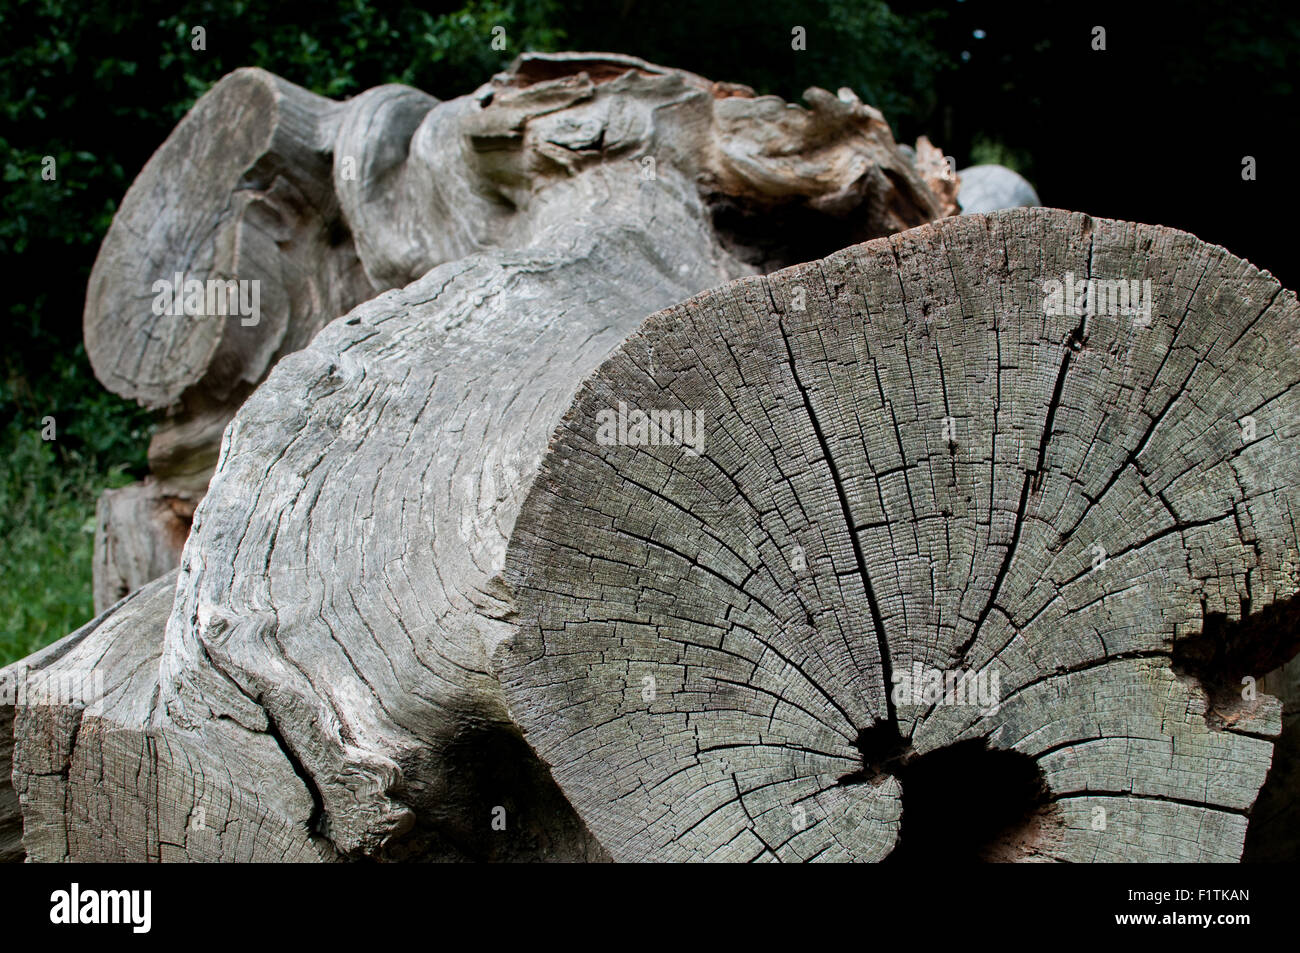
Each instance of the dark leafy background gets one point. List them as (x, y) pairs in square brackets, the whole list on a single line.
[(1152, 129)]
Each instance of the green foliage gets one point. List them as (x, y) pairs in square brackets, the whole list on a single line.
[(47, 505), (986, 150)]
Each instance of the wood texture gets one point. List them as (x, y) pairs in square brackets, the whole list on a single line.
[(96, 779), (967, 549), (339, 588), (241, 191), (139, 533), (327, 204), (426, 611)]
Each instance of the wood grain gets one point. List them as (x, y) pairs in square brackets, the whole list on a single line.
[(825, 437)]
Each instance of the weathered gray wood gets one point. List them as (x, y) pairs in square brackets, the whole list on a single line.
[(327, 204), (354, 598), (340, 588), (29, 684), (139, 534), (242, 191), (421, 599), (96, 780), (11, 818), (834, 531), (765, 714)]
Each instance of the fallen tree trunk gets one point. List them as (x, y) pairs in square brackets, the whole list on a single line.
[(494, 568), (304, 208), (851, 512), (547, 214)]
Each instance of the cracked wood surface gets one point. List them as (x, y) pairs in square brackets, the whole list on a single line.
[(96, 778), (969, 549), (416, 570), (327, 204), (388, 517), (241, 190), (351, 594)]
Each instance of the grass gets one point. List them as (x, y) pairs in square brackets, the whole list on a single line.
[(47, 522)]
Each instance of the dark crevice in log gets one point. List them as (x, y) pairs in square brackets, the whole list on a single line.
[(903, 203), (884, 753), (1033, 480), (1219, 658), (772, 237), (1224, 654), (1128, 794), (314, 824), (1228, 650), (837, 480), (1272, 835), (968, 803), (498, 781)]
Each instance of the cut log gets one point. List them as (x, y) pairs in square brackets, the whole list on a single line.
[(85, 733), (54, 685), (241, 194), (908, 463), (915, 470), (241, 190), (139, 534)]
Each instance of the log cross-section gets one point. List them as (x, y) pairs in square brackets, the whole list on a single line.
[(928, 454)]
